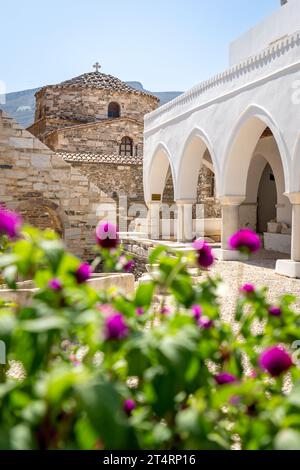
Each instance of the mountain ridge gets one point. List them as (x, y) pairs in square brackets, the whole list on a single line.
[(21, 104)]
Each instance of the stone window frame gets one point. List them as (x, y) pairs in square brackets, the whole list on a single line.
[(113, 110), (126, 146)]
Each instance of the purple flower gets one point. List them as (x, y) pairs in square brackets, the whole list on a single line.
[(197, 311), (245, 241), (275, 311), (225, 378), (165, 310), (205, 323), (252, 374), (275, 361), (115, 327), (107, 235), (205, 257), (74, 360), (235, 400), (83, 273), (140, 311), (128, 406), (128, 267), (55, 284), (247, 289), (10, 223)]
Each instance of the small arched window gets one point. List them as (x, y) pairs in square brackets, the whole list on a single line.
[(113, 110), (126, 147)]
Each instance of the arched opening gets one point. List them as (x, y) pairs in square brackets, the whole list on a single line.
[(197, 180), (160, 191), (255, 168), (126, 147), (114, 110), (41, 215), (266, 200)]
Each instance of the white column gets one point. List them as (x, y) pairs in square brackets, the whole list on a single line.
[(154, 220), (295, 251), (291, 268), (185, 220), (230, 225)]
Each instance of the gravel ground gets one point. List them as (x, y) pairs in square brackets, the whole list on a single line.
[(258, 271)]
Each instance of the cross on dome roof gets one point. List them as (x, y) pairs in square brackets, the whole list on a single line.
[(97, 66)]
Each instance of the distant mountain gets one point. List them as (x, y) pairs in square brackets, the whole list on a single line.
[(21, 104)]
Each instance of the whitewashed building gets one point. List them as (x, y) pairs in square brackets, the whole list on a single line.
[(244, 124)]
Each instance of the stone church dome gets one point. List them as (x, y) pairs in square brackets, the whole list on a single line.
[(101, 81)]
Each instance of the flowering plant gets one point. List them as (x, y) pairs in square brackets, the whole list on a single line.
[(101, 370)]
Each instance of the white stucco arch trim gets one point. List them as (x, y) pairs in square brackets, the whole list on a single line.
[(256, 169), (256, 119), (196, 134), (155, 172), (295, 183)]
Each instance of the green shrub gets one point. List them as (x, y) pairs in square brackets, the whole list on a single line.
[(104, 371)]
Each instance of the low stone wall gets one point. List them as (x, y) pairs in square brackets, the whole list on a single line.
[(47, 191), (139, 249), (122, 282), (202, 228)]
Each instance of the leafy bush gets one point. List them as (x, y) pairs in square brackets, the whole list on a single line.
[(104, 371)]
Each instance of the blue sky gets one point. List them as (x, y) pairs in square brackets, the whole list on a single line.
[(165, 44)]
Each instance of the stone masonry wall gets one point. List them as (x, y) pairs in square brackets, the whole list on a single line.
[(45, 189), (102, 138), (117, 180), (205, 194), (90, 104)]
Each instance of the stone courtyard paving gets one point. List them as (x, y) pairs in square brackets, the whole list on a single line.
[(259, 270)]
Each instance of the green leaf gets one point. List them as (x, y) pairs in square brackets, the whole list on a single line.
[(104, 406), (54, 252), (44, 324), (294, 397), (287, 439), (21, 438), (85, 434), (6, 260), (182, 290), (144, 294), (63, 379), (10, 275), (155, 254)]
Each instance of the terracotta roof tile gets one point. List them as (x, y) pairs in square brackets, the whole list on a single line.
[(83, 157)]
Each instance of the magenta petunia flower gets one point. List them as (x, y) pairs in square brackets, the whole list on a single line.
[(55, 284), (275, 311), (205, 323), (10, 223), (247, 289), (197, 311), (245, 241), (107, 235), (225, 378), (139, 311), (128, 406), (275, 361), (83, 273), (115, 327), (205, 256)]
